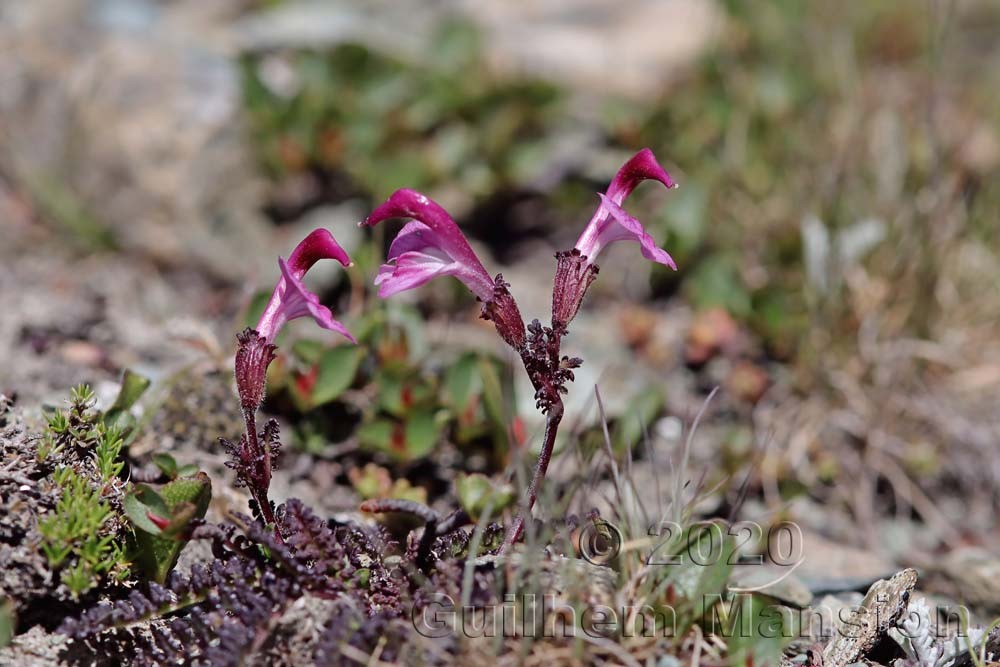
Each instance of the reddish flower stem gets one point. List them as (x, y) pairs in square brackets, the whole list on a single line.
[(552, 419)]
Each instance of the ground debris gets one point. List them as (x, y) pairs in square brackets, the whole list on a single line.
[(882, 607)]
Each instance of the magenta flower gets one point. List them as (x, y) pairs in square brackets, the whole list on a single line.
[(291, 299), (577, 269), (431, 245), (610, 223), (428, 246), (253, 456)]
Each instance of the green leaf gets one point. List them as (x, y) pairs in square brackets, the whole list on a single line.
[(196, 490), (6, 622), (308, 351), (492, 391), (390, 392), (413, 325), (256, 308), (187, 470), (144, 500), (133, 387), (756, 630), (706, 557), (461, 381), (179, 501), (715, 282), (423, 430), (400, 395), (685, 213), (377, 434), (476, 492), (182, 515), (337, 369), (166, 464)]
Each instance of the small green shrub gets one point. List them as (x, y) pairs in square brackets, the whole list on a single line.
[(78, 538), (84, 539)]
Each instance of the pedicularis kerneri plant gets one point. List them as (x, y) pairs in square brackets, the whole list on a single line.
[(428, 246), (256, 452), (431, 245)]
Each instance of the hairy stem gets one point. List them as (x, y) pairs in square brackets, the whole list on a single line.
[(262, 473), (552, 419)]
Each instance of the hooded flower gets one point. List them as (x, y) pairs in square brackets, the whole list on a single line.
[(291, 299), (432, 245), (428, 246), (611, 223), (577, 269)]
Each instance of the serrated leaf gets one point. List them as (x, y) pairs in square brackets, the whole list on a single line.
[(337, 369)]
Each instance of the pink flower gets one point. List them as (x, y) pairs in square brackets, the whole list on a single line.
[(253, 457), (291, 299), (430, 245), (611, 223), (576, 269)]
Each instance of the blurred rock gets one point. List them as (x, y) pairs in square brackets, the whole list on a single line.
[(772, 580), (632, 48), (971, 575), (629, 48), (829, 567), (121, 122)]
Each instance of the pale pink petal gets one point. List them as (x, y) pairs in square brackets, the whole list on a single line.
[(291, 300), (300, 302), (435, 242), (642, 166), (410, 270), (630, 229), (414, 236)]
